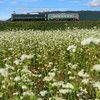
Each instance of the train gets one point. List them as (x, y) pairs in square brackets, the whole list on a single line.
[(45, 17)]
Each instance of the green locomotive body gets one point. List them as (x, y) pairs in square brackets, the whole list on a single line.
[(28, 17)]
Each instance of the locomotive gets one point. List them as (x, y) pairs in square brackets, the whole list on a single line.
[(45, 17)]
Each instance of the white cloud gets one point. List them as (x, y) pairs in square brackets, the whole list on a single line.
[(42, 9), (25, 4), (94, 3), (1, 1), (14, 2), (17, 8), (47, 9), (22, 8), (3, 19)]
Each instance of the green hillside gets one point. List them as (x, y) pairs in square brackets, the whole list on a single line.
[(89, 15)]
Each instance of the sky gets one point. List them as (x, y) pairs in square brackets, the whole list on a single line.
[(7, 7)]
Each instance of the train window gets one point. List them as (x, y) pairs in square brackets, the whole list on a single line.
[(57, 15), (51, 15), (54, 15), (62, 15)]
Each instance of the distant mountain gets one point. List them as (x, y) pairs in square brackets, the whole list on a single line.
[(8, 19), (5, 20), (1, 20), (89, 15)]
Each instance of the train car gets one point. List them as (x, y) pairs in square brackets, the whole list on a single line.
[(28, 17), (45, 17), (63, 16)]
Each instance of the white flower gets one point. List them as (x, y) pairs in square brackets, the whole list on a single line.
[(68, 85), (26, 71), (69, 64), (10, 48), (83, 90), (70, 77), (43, 93), (17, 78), (51, 74), (86, 41), (4, 72), (7, 58), (30, 93), (82, 73), (64, 91), (74, 66), (15, 93), (50, 77), (69, 72), (40, 99), (3, 86), (71, 48), (17, 61), (11, 84), (9, 67), (90, 40), (85, 80), (60, 83), (54, 69), (36, 75), (50, 63), (21, 97), (96, 67), (24, 56), (24, 87), (58, 98), (50, 98), (47, 78), (97, 84)]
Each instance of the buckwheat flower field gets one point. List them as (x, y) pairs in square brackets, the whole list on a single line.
[(50, 65)]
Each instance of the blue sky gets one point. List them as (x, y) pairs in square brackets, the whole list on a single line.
[(7, 7)]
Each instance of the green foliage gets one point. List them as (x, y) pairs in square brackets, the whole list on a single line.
[(48, 25)]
